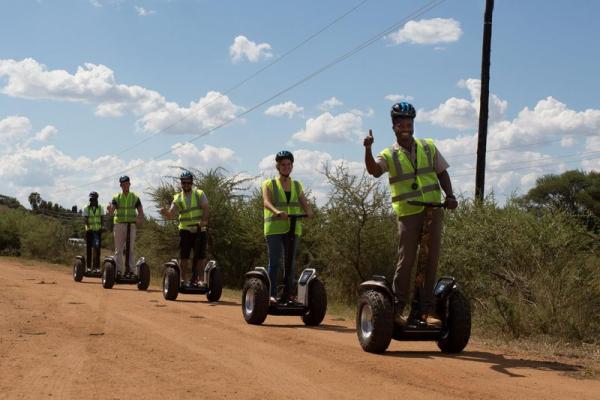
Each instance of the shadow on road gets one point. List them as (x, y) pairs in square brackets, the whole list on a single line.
[(212, 304), (322, 327), (498, 362)]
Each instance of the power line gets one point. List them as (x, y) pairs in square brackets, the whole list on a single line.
[(505, 148), (250, 77), (422, 10), (541, 163), (544, 159)]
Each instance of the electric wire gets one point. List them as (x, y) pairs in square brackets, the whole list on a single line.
[(248, 78), (420, 11)]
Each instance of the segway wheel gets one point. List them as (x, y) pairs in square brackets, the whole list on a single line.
[(374, 321), (317, 303), (255, 301), (144, 277), (215, 285), (78, 270), (458, 324), (170, 287), (108, 275)]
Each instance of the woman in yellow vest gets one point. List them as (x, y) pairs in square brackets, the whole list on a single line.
[(282, 196), (92, 216), (192, 206), (417, 171)]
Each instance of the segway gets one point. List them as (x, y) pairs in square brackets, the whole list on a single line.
[(140, 276), (81, 269), (375, 323), (212, 286), (311, 302)]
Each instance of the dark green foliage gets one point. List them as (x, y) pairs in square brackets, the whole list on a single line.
[(576, 192), (526, 273)]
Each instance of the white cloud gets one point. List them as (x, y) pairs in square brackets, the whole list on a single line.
[(210, 111), (289, 109), (96, 85), (242, 47), (59, 177), (464, 113), (330, 104), (16, 132), (96, 3), (142, 12), (395, 98), (327, 128), (548, 117), (428, 31)]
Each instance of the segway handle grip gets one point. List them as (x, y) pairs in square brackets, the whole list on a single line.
[(426, 204), (297, 216)]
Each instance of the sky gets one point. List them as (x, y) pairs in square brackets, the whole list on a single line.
[(94, 89)]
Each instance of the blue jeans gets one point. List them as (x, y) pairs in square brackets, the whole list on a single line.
[(276, 246)]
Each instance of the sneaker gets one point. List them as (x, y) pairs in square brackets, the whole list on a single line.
[(272, 300)]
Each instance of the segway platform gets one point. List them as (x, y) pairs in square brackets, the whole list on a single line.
[(110, 275), (80, 270), (311, 303), (172, 285)]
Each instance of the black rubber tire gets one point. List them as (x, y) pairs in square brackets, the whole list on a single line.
[(108, 275), (215, 285), (143, 277), (258, 314), (458, 324), (317, 303), (382, 317), (78, 270), (170, 283)]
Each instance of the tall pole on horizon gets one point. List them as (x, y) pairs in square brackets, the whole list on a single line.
[(484, 100)]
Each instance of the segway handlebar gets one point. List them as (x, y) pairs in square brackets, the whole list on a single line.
[(297, 216), (426, 204)]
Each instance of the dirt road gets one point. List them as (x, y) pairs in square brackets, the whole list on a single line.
[(61, 339)]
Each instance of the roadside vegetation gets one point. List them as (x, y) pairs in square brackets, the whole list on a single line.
[(530, 267)]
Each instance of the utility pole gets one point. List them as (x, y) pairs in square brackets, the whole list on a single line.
[(484, 100)]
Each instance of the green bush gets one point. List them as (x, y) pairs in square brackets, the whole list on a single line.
[(527, 273)]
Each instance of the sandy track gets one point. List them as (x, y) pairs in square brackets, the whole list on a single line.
[(61, 339)]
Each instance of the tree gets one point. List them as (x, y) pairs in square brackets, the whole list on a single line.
[(35, 200), (576, 192), (357, 231)]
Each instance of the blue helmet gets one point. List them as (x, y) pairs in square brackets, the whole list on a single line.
[(124, 178), (93, 196), (284, 154), (403, 109), (186, 176)]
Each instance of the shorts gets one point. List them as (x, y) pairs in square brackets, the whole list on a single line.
[(192, 240)]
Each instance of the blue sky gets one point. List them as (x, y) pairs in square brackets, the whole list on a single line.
[(82, 81)]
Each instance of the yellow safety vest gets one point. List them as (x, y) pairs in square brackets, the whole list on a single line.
[(125, 207), (402, 176), (274, 225), (189, 216), (93, 218)]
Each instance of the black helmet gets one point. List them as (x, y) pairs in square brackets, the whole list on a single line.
[(186, 176), (93, 195), (403, 109), (124, 178), (284, 154)]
